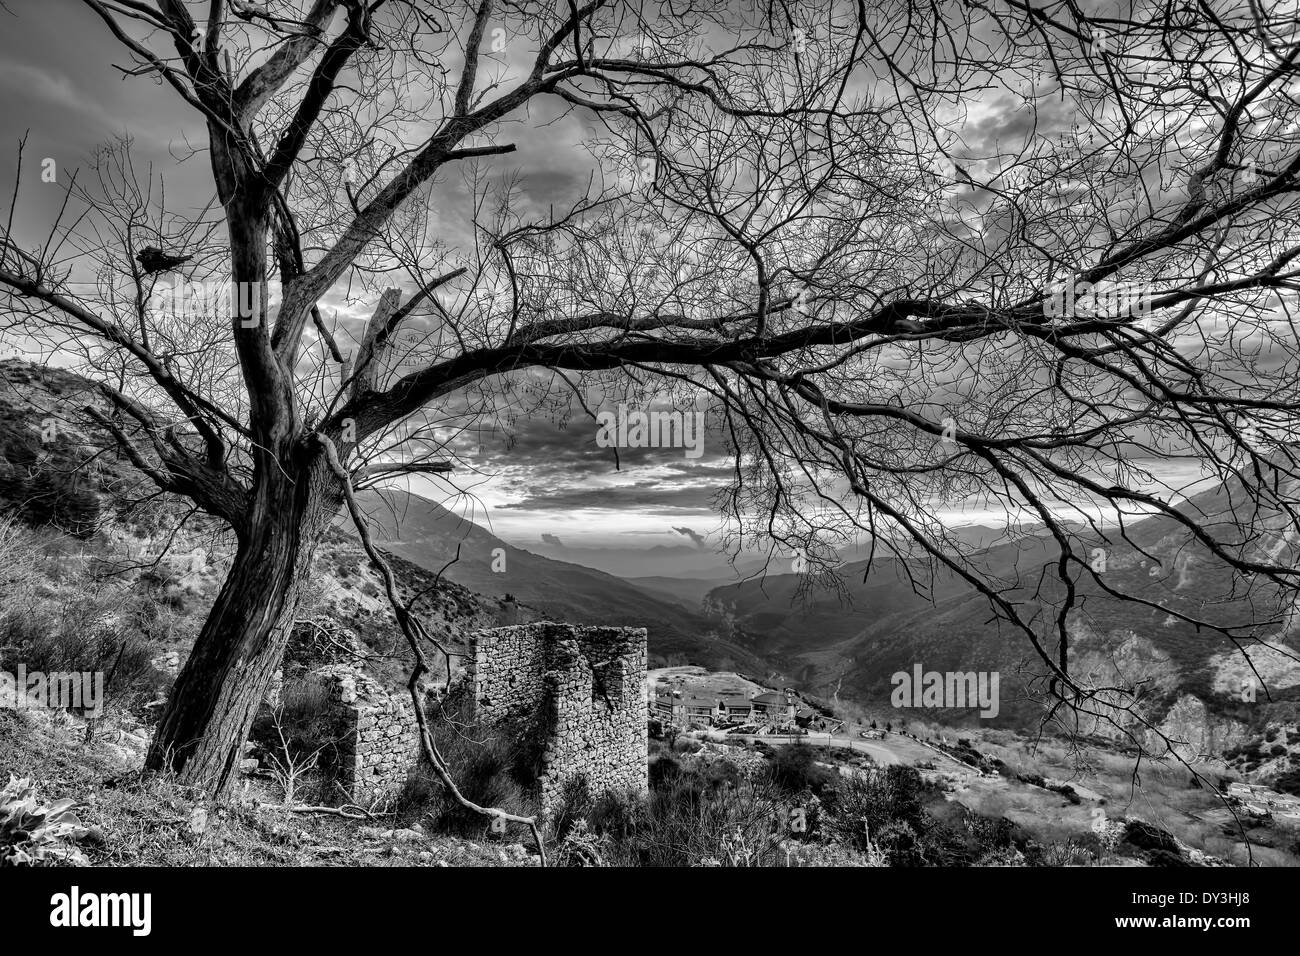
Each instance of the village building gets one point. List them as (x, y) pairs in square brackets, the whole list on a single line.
[(780, 708), (774, 707)]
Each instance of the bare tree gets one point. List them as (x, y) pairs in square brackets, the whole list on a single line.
[(798, 216)]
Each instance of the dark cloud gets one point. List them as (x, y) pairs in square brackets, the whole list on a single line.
[(553, 187), (549, 461), (553, 540), (693, 535)]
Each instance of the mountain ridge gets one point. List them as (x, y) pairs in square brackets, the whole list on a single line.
[(430, 535)]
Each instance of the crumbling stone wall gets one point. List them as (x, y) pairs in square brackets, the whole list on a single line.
[(573, 696), (376, 732), (576, 693)]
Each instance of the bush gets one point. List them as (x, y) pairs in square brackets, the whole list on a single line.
[(613, 815), (696, 814), (1148, 837), (1288, 782), (662, 769), (1068, 792), (45, 494), (72, 636), (579, 847), (1069, 853), (75, 509), (575, 804), (882, 810), (299, 734), (617, 814), (794, 769), (692, 822), (492, 767)]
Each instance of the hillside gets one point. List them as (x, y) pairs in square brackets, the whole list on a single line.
[(432, 537), (144, 558), (56, 476), (854, 643)]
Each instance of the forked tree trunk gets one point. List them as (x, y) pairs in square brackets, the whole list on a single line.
[(211, 707)]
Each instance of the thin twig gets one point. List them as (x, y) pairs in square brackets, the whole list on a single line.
[(413, 631)]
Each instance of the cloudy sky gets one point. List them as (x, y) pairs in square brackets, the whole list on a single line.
[(548, 488)]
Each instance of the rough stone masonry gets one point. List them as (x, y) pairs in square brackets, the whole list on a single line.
[(376, 733), (575, 693), (574, 696)]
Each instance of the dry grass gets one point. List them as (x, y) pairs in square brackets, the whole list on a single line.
[(146, 821), (1160, 792)]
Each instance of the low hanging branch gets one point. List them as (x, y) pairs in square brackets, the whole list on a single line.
[(414, 631)]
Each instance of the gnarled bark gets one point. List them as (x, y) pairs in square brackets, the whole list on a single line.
[(216, 696)]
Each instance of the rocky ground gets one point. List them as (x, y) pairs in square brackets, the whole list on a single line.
[(134, 820)]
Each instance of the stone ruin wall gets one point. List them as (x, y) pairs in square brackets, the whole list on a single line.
[(577, 692), (376, 732), (507, 672)]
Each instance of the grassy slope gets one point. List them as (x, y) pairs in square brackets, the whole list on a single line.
[(146, 821)]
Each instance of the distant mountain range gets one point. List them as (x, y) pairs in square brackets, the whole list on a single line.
[(691, 588), (691, 591), (851, 643), (636, 562), (433, 537)]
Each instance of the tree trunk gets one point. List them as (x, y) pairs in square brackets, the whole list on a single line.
[(211, 708)]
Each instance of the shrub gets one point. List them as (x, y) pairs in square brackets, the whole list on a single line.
[(695, 815), (1289, 782), (610, 815), (883, 809), (690, 823), (662, 769), (18, 560), (1148, 837), (72, 636), (1069, 853), (579, 847), (900, 844), (76, 510), (492, 767), (298, 736), (617, 814), (1068, 792), (45, 495), (794, 769), (1003, 856), (33, 833)]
